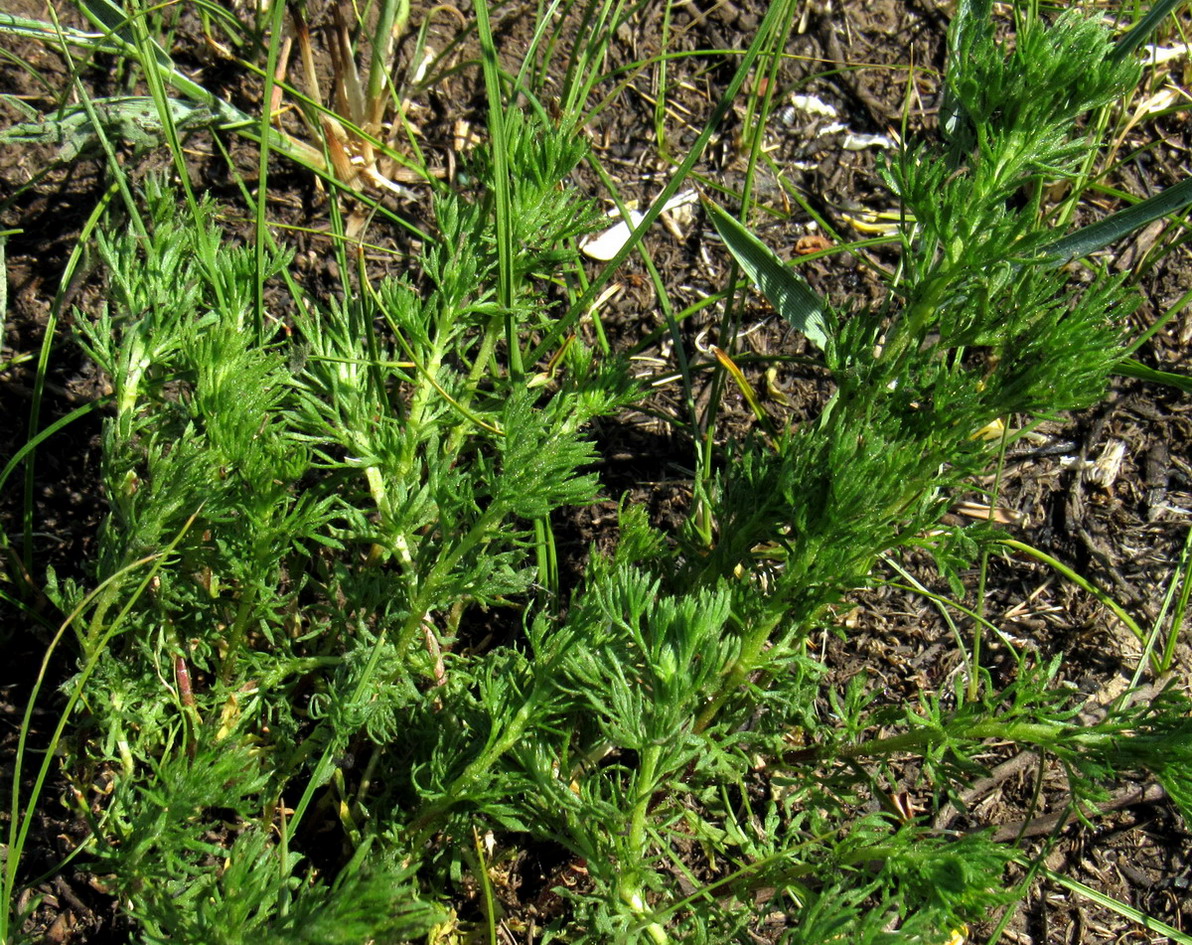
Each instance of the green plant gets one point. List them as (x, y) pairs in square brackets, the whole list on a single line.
[(321, 657), (385, 459)]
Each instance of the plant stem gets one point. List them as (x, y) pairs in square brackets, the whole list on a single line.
[(1040, 734), (239, 632), (424, 823)]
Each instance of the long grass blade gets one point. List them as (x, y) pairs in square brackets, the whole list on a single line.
[(678, 178), (501, 193), (789, 293), (1144, 28), (1098, 235), (1136, 369), (1149, 923)]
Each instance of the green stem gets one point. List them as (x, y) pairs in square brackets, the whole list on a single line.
[(1040, 734), (487, 346), (630, 886), (908, 329), (420, 604), (974, 681), (751, 647), (425, 822), (647, 775), (238, 634)]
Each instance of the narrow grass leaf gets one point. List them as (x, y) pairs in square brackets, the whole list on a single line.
[(501, 191), (43, 32), (116, 25), (35, 441), (1100, 234), (743, 385), (1143, 28), (1116, 905), (678, 178), (790, 294), (1136, 369)]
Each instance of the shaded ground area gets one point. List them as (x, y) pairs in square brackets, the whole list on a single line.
[(1107, 492)]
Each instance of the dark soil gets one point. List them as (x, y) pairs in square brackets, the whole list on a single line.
[(1106, 491)]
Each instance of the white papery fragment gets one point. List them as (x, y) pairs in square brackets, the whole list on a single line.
[(856, 142), (605, 245)]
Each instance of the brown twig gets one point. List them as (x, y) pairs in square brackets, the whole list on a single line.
[(1038, 826)]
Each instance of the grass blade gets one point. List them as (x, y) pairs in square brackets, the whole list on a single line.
[(1136, 369), (789, 293), (1143, 29), (501, 194), (1115, 905), (678, 178), (1100, 234)]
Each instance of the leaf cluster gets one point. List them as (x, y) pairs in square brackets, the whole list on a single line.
[(331, 507)]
